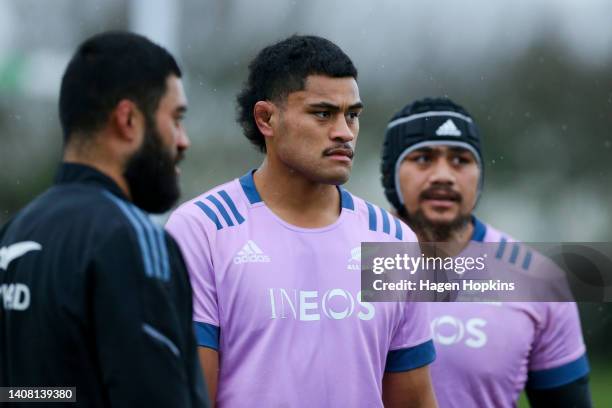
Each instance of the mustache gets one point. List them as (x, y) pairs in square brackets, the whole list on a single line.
[(440, 193), (344, 148), (180, 156)]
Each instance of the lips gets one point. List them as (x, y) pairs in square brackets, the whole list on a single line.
[(339, 151), (443, 195)]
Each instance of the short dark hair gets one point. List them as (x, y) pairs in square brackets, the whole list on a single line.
[(109, 67), (281, 69)]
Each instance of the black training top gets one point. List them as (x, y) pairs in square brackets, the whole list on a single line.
[(93, 295)]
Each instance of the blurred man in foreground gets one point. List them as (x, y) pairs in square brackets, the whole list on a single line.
[(432, 172), (93, 294), (274, 255)]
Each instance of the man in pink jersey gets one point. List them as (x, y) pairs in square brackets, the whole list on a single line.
[(432, 172), (274, 256)]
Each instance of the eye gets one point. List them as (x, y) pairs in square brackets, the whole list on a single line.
[(460, 160), (420, 159), (322, 114), (352, 117), (178, 120)]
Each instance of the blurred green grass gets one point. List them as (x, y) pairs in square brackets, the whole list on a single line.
[(601, 387)]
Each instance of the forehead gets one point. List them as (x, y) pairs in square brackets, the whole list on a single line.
[(174, 97), (318, 88)]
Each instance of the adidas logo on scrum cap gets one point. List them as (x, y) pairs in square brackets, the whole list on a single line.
[(251, 253), (448, 128)]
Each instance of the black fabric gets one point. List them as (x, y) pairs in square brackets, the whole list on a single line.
[(90, 300), (573, 395)]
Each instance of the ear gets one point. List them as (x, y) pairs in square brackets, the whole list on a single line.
[(264, 113), (127, 121)]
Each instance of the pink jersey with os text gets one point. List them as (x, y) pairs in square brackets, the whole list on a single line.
[(488, 352)]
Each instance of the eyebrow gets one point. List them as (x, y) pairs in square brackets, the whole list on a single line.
[(335, 108), (424, 149), (459, 149)]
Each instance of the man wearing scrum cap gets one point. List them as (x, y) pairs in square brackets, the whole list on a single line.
[(432, 173)]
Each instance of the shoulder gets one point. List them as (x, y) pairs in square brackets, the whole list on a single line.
[(222, 207), (78, 208), (508, 250), (531, 264), (135, 239), (378, 221)]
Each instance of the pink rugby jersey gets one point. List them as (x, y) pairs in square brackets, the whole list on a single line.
[(282, 304), (488, 352)]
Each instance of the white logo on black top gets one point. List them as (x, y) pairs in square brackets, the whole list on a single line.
[(448, 128), (251, 253), (10, 253)]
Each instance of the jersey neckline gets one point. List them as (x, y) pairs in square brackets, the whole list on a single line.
[(480, 230), (247, 183)]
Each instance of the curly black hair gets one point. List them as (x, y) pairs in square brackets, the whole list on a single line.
[(281, 69)]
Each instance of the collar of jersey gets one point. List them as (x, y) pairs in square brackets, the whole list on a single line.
[(480, 230), (248, 186), (80, 173)]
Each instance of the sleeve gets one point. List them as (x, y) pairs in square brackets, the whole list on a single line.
[(576, 394), (558, 354), (193, 240), (142, 322), (411, 345)]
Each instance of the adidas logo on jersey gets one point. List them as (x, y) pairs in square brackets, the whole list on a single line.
[(250, 253), (448, 128), (354, 262)]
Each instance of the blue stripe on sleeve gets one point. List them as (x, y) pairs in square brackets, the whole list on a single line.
[(165, 264), (232, 206), (151, 239), (527, 260), (210, 213), (515, 252), (385, 218), (371, 217), (558, 376), (221, 209), (501, 248), (398, 229), (411, 358), (140, 234), (207, 335)]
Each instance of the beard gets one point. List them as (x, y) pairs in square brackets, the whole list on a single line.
[(433, 231), (151, 175), (437, 231)]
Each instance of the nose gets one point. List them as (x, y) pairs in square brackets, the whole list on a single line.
[(341, 131), (183, 143), (442, 173)]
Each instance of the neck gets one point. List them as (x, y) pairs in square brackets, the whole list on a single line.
[(295, 199), (450, 245), (100, 161)]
